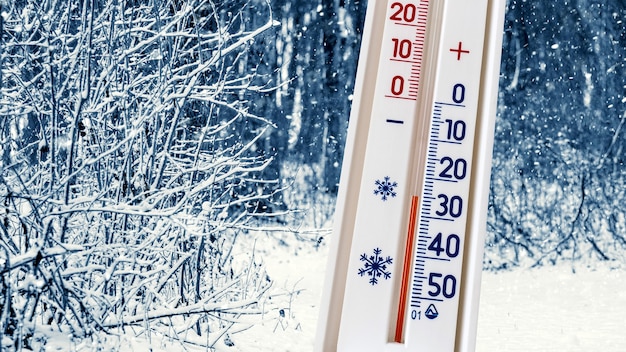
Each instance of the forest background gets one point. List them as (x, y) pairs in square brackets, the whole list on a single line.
[(141, 140)]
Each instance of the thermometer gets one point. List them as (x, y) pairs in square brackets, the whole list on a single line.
[(406, 255)]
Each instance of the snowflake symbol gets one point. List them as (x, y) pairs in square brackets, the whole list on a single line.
[(385, 188), (375, 266)]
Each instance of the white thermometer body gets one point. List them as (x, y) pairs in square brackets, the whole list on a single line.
[(404, 268)]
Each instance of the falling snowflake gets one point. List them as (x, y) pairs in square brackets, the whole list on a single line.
[(375, 266), (385, 188)]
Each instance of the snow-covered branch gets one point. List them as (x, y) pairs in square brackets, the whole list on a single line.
[(129, 164)]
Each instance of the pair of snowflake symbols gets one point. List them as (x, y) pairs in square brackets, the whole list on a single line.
[(375, 266)]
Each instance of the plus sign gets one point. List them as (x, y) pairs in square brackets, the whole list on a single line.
[(459, 51)]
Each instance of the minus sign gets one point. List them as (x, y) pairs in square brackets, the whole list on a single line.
[(400, 122)]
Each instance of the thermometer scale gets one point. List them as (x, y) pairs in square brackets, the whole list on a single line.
[(406, 258)]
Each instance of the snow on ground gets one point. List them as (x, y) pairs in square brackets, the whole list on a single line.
[(298, 272), (544, 309), (553, 309)]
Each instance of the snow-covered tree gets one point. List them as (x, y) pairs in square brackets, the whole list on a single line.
[(559, 177)]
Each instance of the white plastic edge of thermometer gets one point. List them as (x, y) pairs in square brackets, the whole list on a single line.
[(405, 259)]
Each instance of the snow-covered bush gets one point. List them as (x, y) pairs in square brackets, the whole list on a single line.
[(129, 165)]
